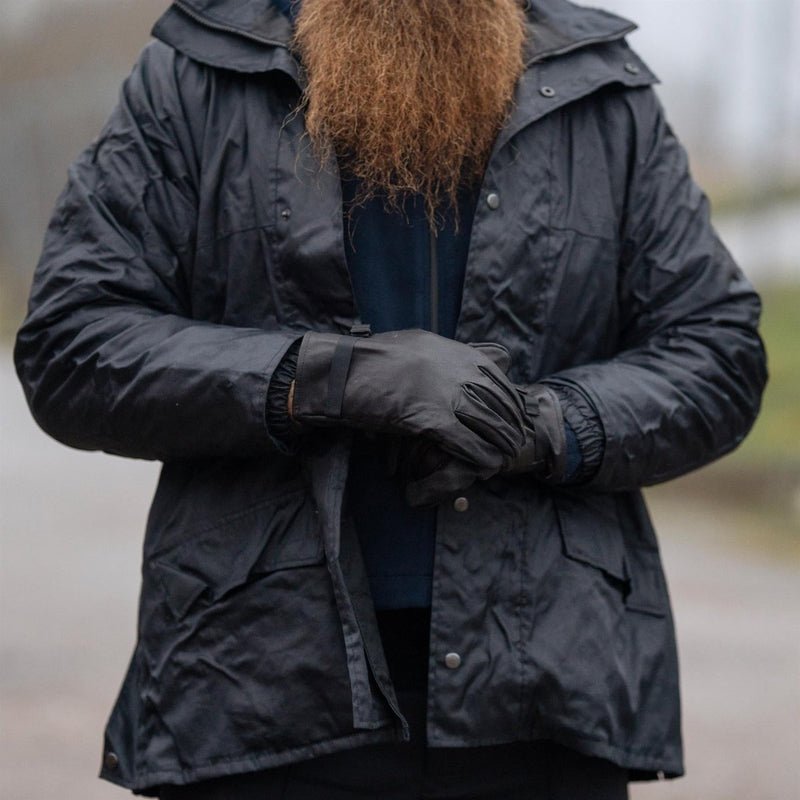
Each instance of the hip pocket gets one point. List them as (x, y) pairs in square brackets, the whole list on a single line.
[(591, 531), (278, 534)]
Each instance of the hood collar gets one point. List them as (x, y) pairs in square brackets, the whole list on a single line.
[(257, 20), (558, 26), (244, 31)]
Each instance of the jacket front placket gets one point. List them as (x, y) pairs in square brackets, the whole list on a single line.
[(310, 269)]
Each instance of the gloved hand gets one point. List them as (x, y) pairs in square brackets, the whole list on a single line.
[(432, 476), (416, 384)]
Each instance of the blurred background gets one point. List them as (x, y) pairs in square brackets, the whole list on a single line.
[(72, 522)]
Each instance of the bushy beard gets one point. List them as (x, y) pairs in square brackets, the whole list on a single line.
[(409, 95)]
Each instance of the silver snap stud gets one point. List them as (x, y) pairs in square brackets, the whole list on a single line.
[(461, 504), (452, 661), (632, 68), (493, 201), (547, 91)]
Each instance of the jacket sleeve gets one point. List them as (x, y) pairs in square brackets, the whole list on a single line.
[(109, 355), (685, 384)]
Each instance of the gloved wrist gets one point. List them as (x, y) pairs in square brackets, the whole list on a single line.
[(413, 383), (545, 450)]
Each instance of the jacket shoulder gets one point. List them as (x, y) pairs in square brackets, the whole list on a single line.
[(162, 71)]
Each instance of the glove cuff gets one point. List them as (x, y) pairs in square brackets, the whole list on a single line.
[(323, 364)]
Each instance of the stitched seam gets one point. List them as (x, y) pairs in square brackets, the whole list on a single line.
[(567, 228), (248, 510), (211, 242)]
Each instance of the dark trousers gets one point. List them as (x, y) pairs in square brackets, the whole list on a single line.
[(411, 771)]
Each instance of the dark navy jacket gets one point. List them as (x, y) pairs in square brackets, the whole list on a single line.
[(198, 239)]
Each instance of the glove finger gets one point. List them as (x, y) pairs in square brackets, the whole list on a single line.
[(462, 442), (454, 477), (504, 393), (496, 353), (413, 458), (423, 458), (501, 427)]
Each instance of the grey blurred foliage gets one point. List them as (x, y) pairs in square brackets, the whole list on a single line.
[(61, 64), (729, 71)]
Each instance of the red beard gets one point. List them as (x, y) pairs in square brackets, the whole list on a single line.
[(409, 94)]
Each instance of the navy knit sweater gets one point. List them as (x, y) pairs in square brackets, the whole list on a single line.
[(389, 256)]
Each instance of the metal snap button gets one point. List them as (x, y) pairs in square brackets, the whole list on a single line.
[(493, 201), (547, 91), (632, 68), (461, 504), (286, 213), (452, 661), (111, 761)]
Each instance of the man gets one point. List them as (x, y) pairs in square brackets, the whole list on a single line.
[(410, 298)]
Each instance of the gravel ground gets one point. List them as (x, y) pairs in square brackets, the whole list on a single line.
[(71, 538)]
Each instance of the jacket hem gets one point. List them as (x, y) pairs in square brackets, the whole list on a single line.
[(147, 783), (647, 767)]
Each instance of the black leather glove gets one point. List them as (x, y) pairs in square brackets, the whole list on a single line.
[(416, 384), (432, 476)]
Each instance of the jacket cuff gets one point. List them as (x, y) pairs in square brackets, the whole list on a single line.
[(279, 425), (582, 420)]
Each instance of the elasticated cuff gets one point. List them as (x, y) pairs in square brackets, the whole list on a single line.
[(280, 426), (581, 417)]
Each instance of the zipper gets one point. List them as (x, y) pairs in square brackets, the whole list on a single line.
[(434, 279), (220, 26)]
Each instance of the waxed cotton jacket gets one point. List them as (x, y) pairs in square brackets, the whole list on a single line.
[(197, 238)]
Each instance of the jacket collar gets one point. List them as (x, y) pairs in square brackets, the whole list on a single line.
[(253, 36), (558, 27), (564, 62), (257, 20), (239, 35)]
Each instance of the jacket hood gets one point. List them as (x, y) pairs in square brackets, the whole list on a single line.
[(252, 36)]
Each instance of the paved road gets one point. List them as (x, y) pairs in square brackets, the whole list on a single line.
[(71, 534)]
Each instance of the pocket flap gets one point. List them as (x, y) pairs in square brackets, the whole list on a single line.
[(280, 533), (648, 592), (590, 530), (180, 588)]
